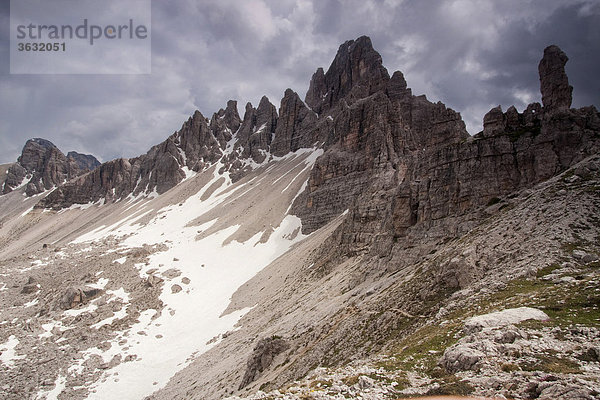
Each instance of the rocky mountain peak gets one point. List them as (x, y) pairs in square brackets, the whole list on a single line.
[(356, 72), (295, 122), (231, 117), (554, 83), (45, 166), (316, 90), (34, 152), (266, 114), (83, 161), (256, 130), (397, 87), (225, 123)]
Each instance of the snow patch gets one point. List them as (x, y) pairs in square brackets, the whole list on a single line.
[(73, 313), (188, 173), (101, 284), (8, 355), (31, 303), (215, 271)]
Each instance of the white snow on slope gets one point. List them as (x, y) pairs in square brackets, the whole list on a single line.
[(8, 354), (192, 316), (59, 385)]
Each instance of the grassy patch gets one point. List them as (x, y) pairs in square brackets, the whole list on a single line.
[(547, 270), (551, 364), (350, 380), (577, 303), (320, 384), (509, 367), (452, 386), (422, 349)]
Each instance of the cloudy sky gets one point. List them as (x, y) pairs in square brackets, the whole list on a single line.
[(470, 54)]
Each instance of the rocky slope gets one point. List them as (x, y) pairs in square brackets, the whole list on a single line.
[(407, 231), (416, 188)]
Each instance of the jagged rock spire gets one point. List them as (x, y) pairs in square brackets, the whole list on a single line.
[(357, 69), (554, 83)]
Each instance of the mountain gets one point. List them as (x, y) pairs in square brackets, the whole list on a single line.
[(84, 161), (359, 243), (42, 166)]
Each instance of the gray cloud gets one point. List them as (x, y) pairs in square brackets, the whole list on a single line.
[(470, 55)]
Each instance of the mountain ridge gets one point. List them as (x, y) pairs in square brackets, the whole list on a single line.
[(358, 229)]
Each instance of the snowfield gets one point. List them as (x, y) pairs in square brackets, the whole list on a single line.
[(209, 269)]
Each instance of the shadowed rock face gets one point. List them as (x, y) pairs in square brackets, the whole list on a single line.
[(403, 165), (295, 126), (84, 161), (554, 83), (262, 357)]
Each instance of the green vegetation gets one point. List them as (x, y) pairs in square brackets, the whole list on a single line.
[(421, 350), (321, 384), (452, 386), (547, 270), (551, 364), (508, 367), (574, 303)]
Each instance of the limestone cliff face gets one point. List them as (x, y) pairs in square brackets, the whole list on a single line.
[(45, 167), (295, 128), (84, 161), (399, 163), (376, 124), (405, 167)]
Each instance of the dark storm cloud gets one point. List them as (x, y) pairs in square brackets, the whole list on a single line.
[(471, 55)]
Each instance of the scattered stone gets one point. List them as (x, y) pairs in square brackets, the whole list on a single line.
[(171, 273), (461, 358), (364, 382), (590, 354), (176, 289), (153, 281)]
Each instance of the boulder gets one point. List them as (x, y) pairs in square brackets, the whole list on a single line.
[(506, 317), (461, 358), (262, 357), (72, 297)]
